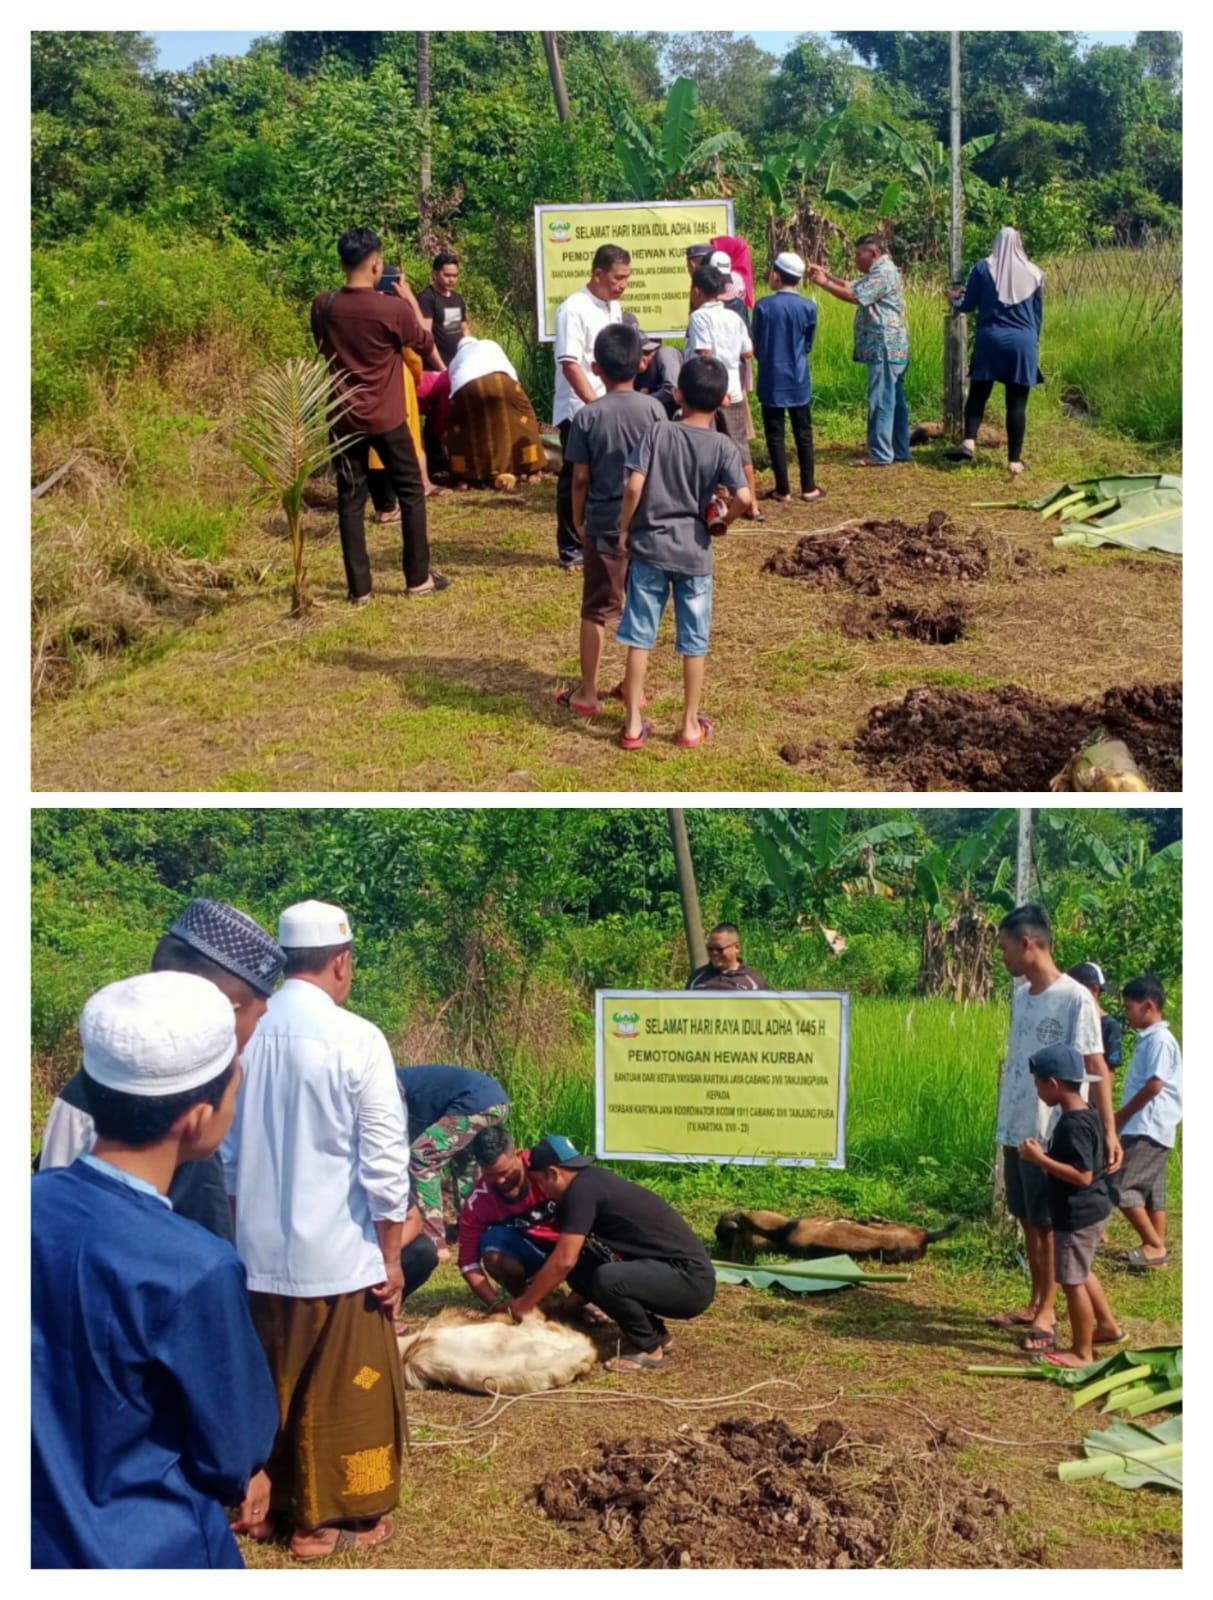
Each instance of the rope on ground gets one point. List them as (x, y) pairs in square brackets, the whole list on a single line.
[(955, 1427), (500, 1403)]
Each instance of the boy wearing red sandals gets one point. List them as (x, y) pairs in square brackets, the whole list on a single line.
[(666, 530), (600, 439)]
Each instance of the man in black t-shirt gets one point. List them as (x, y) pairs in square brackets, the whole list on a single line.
[(445, 311), (1079, 1201), (725, 968), (623, 1248)]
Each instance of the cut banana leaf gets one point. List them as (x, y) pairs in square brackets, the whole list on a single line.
[(1120, 1398), (803, 1277), (1131, 1456), (1104, 1385), (1155, 1402)]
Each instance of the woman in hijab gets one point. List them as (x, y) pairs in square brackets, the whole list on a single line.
[(1005, 291)]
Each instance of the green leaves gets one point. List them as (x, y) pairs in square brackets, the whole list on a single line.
[(678, 128), (1131, 1456)]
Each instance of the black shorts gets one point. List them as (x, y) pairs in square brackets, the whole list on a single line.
[(1027, 1189), (1142, 1178)]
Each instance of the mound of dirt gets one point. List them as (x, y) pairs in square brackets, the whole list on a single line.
[(1012, 738), (749, 1493), (940, 624), (867, 555)]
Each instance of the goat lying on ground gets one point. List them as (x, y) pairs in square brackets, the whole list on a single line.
[(492, 1355), (744, 1233)]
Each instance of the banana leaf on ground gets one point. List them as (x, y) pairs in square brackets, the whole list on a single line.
[(1130, 1456), (1141, 511), (803, 1277)]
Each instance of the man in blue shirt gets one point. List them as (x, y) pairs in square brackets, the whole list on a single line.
[(151, 1403), (785, 325)]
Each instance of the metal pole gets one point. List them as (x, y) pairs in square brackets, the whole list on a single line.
[(955, 325), (1023, 889), (423, 105), (559, 92), (692, 919)]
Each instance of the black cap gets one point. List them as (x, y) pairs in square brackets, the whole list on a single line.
[(1060, 1061), (1088, 973), (557, 1151), (698, 252)]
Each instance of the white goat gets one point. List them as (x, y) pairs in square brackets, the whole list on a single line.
[(460, 1350)]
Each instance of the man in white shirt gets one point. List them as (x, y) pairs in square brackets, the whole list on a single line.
[(317, 1166), (579, 321), (1049, 1008), (714, 330), (1149, 1115)]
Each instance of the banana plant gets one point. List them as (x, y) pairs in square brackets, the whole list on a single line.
[(783, 179), (665, 167), (928, 166)]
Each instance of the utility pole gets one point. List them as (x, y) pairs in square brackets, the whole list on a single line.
[(559, 92), (423, 105), (692, 919), (955, 337), (1023, 890)]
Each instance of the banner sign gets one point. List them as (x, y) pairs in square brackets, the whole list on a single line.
[(655, 233), (722, 1075)]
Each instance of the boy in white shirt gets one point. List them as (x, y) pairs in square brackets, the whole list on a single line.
[(714, 330), (1150, 1112)]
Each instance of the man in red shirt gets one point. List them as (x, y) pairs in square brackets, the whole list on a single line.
[(363, 335), (506, 1230)]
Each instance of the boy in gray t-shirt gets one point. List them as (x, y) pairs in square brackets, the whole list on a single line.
[(600, 439), (666, 530)]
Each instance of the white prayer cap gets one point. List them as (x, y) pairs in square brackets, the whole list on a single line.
[(313, 924), (158, 1034), (721, 260), (788, 261)]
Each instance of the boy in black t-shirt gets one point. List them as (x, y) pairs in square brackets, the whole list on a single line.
[(1079, 1201)]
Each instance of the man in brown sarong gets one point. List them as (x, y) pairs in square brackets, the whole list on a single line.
[(317, 1163)]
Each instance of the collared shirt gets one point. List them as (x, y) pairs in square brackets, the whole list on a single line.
[(318, 1150), (1155, 1055), (881, 331), (579, 321), (713, 327), (1064, 1013), (120, 1175)]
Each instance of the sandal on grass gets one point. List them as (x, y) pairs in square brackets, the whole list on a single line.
[(347, 1539), (635, 741), (1009, 1319), (616, 693), (707, 728), (813, 494), (1039, 1341), (959, 453), (564, 698), (637, 1361), (1138, 1261), (440, 582), (1120, 1337), (771, 494)]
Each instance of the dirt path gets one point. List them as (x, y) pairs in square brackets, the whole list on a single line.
[(456, 693), (910, 1460)]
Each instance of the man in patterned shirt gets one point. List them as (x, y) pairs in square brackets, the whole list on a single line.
[(882, 342)]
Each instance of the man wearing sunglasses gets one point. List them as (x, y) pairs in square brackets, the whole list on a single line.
[(725, 968)]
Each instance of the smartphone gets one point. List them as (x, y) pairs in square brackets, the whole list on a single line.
[(387, 284)]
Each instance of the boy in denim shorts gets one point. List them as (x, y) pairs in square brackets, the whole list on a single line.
[(673, 475), (1079, 1202)]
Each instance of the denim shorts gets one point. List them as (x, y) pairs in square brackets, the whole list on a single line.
[(512, 1242), (648, 590)]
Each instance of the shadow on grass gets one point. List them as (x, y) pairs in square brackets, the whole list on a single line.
[(469, 683)]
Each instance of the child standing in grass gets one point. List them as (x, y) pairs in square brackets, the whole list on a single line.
[(1149, 1115), (666, 528), (1079, 1202), (600, 439)]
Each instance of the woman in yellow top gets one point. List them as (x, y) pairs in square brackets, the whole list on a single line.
[(384, 501)]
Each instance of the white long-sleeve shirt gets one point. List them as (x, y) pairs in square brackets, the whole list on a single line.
[(318, 1149)]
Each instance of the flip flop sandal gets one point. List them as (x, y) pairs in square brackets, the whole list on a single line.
[(862, 461), (347, 1539), (637, 741), (1140, 1262), (779, 499), (564, 698), (817, 494), (959, 453), (1008, 1319), (1121, 1338), (441, 582), (709, 728), (756, 516), (636, 1362), (616, 693), (1039, 1341), (1053, 1359)]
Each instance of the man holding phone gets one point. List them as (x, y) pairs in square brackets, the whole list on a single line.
[(363, 336)]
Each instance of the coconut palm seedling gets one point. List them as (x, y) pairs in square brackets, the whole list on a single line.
[(286, 437)]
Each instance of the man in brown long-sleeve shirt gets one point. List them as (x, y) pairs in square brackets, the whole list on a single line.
[(363, 334)]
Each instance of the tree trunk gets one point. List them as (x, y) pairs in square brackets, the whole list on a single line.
[(559, 93), (957, 957), (423, 105)]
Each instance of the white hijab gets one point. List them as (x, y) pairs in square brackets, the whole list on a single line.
[(1015, 277), (477, 358)]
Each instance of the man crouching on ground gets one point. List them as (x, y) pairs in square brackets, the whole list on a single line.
[(621, 1246)]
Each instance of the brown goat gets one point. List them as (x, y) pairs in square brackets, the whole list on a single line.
[(745, 1233)]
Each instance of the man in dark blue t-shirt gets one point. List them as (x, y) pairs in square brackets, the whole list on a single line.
[(785, 325), (447, 1107)]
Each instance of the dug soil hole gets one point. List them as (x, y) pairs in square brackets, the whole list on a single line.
[(1011, 738), (867, 556), (752, 1493), (940, 624)]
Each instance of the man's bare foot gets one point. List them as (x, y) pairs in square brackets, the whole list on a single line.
[(1023, 1318), (314, 1545), (388, 516), (636, 1361), (1068, 1359)]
